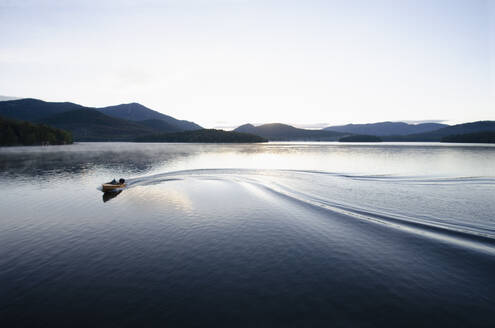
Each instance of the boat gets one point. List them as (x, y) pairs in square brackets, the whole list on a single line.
[(113, 185)]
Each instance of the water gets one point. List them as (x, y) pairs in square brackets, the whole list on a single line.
[(278, 234)]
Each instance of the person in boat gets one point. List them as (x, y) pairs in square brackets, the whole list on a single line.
[(114, 182)]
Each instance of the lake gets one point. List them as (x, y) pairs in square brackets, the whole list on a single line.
[(248, 235)]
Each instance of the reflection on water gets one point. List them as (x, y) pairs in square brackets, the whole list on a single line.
[(278, 234), (418, 159), (80, 158), (109, 195)]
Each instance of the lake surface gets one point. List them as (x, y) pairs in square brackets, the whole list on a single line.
[(250, 235)]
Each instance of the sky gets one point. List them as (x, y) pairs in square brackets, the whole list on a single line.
[(223, 63)]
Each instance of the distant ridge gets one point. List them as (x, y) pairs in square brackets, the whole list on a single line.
[(386, 128), (284, 132), (245, 128), (437, 135)]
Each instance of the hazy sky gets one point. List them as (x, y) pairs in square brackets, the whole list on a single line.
[(228, 62)]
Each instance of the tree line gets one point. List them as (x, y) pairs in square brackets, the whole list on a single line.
[(21, 133)]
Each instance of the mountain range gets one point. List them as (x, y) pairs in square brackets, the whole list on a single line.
[(114, 123), (386, 131), (284, 132), (129, 122), (437, 135), (386, 128)]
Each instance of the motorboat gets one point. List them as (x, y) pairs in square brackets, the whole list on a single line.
[(113, 185)]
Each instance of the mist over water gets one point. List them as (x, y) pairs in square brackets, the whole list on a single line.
[(277, 234)]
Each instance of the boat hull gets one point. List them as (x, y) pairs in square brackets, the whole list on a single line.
[(111, 187)]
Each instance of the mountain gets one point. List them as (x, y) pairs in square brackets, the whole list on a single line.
[(283, 132), (91, 125), (29, 109), (477, 137), (138, 112), (160, 126), (247, 128), (386, 128), (97, 124), (204, 136), (16, 133), (437, 135)]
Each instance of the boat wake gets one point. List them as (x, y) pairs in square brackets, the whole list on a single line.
[(433, 207)]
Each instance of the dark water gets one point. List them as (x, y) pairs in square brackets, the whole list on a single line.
[(274, 235)]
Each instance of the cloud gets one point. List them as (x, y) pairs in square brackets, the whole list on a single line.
[(424, 121)]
